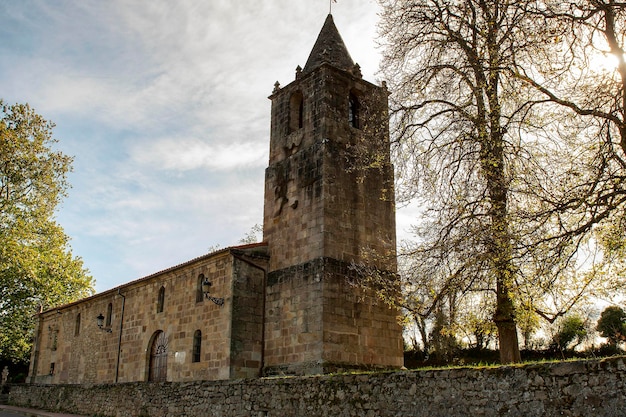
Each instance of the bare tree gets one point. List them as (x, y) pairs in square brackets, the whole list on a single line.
[(586, 79), (474, 146)]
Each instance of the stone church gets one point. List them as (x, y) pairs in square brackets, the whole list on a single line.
[(287, 306)]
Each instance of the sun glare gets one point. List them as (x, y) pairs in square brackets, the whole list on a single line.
[(603, 62)]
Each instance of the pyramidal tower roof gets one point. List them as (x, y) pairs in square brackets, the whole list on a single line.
[(329, 48)]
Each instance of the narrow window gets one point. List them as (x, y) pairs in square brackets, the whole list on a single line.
[(161, 300), (53, 339), (109, 315), (301, 113), (77, 326), (197, 343), (353, 111), (52, 368), (199, 294), (296, 111)]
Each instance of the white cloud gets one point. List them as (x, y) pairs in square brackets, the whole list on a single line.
[(188, 154), (164, 106)]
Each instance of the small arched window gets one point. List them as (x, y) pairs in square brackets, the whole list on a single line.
[(77, 326), (161, 300), (197, 346), (354, 108), (199, 294), (296, 111), (109, 315)]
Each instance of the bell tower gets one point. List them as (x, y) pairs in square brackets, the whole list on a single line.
[(329, 205)]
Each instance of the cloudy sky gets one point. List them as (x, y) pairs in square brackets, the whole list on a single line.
[(163, 105)]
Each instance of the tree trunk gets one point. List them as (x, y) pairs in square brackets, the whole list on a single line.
[(421, 325), (503, 269), (500, 238), (507, 329), (500, 250)]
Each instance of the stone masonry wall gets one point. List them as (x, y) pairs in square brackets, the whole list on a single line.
[(316, 322), (323, 198), (71, 349), (585, 388)]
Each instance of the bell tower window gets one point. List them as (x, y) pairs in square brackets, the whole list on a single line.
[(354, 108), (296, 111)]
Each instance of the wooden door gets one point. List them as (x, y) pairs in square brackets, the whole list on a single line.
[(158, 358)]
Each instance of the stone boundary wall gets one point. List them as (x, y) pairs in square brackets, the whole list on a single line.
[(582, 388)]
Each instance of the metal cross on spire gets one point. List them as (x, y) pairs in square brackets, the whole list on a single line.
[(330, 6)]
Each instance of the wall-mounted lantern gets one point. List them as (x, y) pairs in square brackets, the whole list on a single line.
[(206, 287), (100, 321)]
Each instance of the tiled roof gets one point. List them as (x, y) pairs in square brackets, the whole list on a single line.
[(173, 268)]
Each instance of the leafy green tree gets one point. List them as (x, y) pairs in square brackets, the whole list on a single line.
[(442, 339), (474, 321), (37, 269), (572, 329), (612, 324), (528, 321)]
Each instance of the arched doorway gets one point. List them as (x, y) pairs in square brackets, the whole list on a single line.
[(157, 368)]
